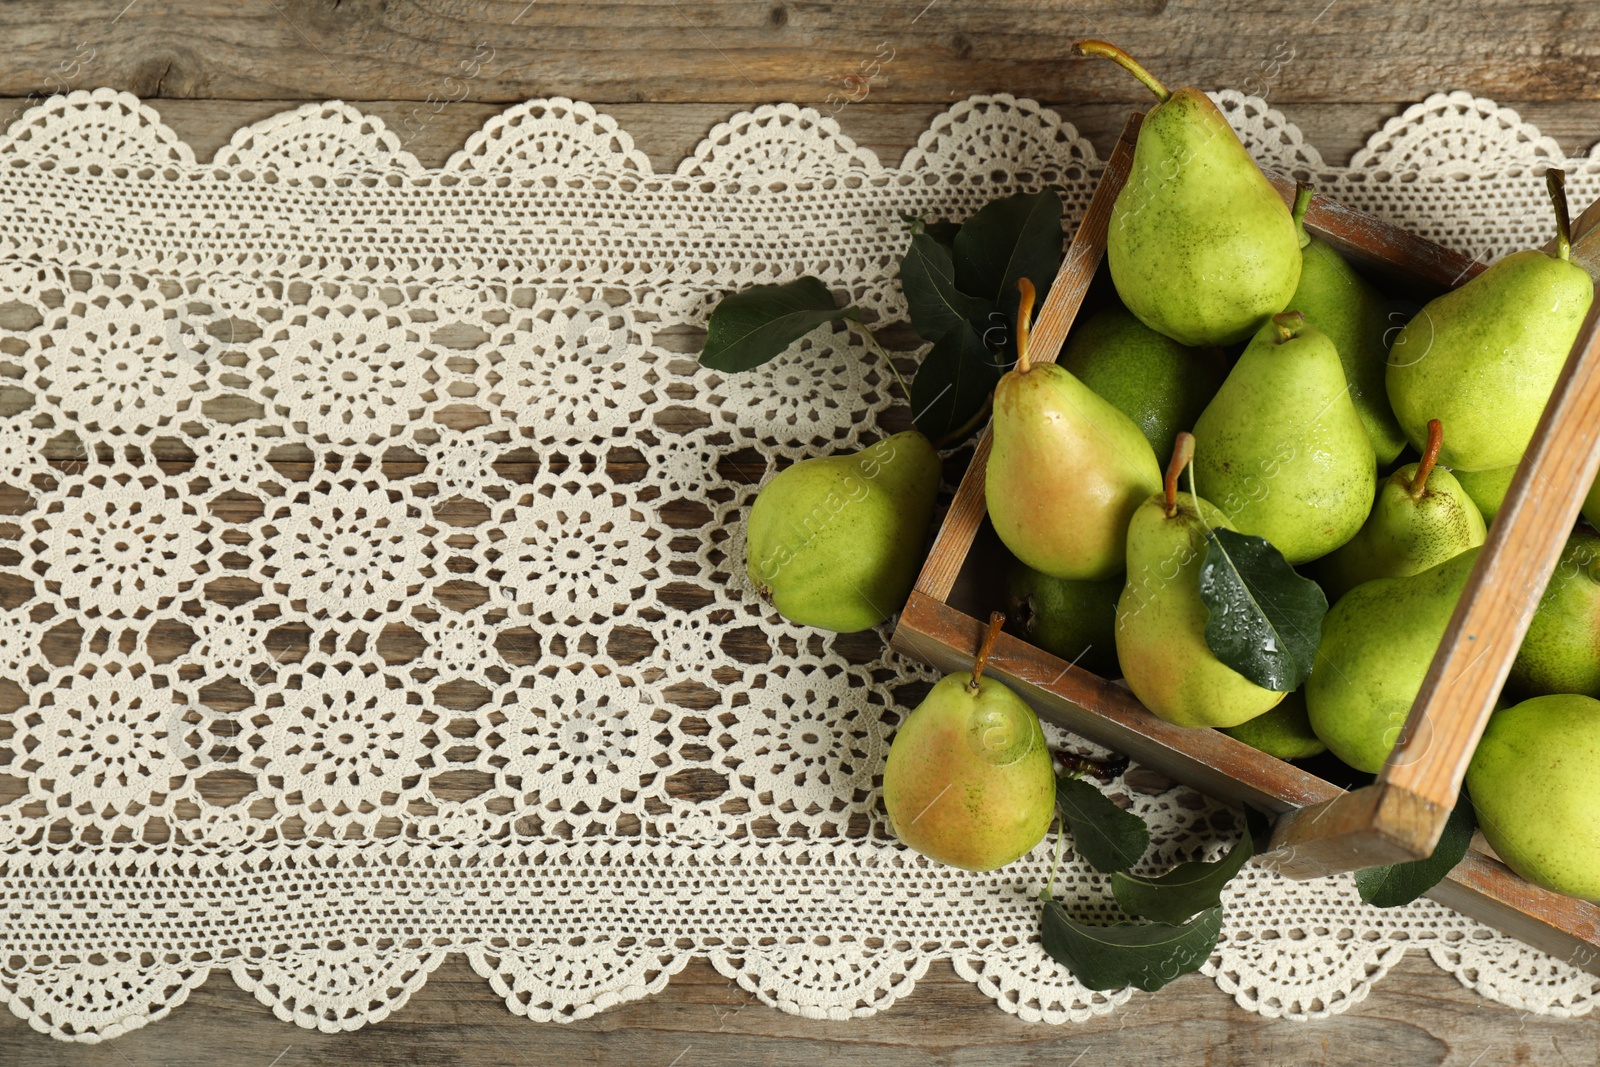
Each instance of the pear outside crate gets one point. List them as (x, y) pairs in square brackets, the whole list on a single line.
[(1320, 828)]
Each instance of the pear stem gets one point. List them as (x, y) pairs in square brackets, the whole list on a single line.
[(997, 619), (1182, 455), (1430, 456), (1303, 192), (1289, 324), (1124, 60), (1024, 323), (884, 354), (1556, 181)]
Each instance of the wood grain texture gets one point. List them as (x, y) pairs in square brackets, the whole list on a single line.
[(770, 50), (210, 67), (669, 132), (1370, 827)]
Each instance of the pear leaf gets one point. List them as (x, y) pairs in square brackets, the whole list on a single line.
[(749, 327), (1264, 620), (953, 382), (1184, 891), (1258, 824), (927, 275), (1015, 237), (1146, 955), (1110, 838), (943, 232), (1401, 883)]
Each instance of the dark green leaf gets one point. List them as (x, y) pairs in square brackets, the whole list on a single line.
[(1110, 838), (1401, 883), (953, 382), (1184, 891), (1259, 825), (1264, 619), (1146, 955), (928, 277), (1017, 237), (750, 327), (943, 232)]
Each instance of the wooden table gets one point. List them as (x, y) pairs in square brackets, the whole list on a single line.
[(668, 71)]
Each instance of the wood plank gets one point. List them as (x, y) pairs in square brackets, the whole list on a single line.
[(769, 50), (1417, 1015), (1369, 827), (1107, 713), (669, 132)]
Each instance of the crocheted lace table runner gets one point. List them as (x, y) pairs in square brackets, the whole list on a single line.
[(309, 534)]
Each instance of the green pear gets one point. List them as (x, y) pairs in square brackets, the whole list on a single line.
[(969, 780), (1532, 781), (1487, 488), (1591, 502), (835, 541), (1066, 468), (1161, 617), (1284, 732), (1377, 643), (1281, 448), (1201, 247), (1561, 651), (1073, 620), (1355, 316), (1483, 358), (1422, 517), (1158, 383)]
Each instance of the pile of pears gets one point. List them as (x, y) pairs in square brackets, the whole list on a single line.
[(1302, 442), (1250, 353)]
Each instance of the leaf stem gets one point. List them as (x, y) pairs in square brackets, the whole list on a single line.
[(960, 433), (1430, 456), (1061, 840), (997, 619), (877, 347)]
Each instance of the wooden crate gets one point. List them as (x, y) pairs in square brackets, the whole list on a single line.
[(1321, 828)]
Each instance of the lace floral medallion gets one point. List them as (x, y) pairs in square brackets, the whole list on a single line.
[(372, 589)]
